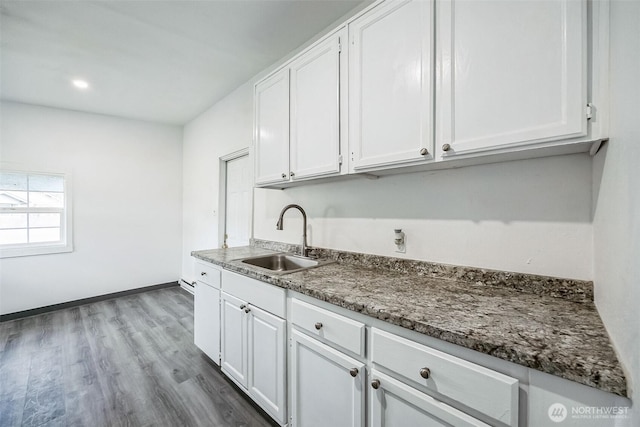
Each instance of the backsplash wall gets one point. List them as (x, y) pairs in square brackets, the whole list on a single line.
[(530, 216)]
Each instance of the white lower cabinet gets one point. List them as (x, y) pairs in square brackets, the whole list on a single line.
[(206, 320), (266, 361), (486, 391), (253, 344), (234, 339), (206, 310), (409, 384), (393, 403), (327, 386), (346, 371)]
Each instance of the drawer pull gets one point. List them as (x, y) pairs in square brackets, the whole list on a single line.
[(318, 326), (353, 372), (375, 384), (425, 373), (203, 273)]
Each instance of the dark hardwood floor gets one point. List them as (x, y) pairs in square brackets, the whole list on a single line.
[(128, 361)]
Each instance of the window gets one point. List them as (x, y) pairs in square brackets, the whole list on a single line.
[(34, 213)]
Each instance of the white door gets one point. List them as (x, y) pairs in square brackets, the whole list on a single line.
[(393, 403), (391, 85), (238, 187), (206, 320), (234, 338), (315, 110), (272, 129), (513, 73), (267, 347), (326, 385)]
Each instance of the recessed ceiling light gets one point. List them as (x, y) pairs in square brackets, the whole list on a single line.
[(80, 84)]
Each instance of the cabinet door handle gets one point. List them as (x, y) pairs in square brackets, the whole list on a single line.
[(353, 372), (425, 373), (292, 174), (318, 325), (375, 384), (424, 151), (243, 306), (446, 147), (203, 273), (246, 310), (284, 176)]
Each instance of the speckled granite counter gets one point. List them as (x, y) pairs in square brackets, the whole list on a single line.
[(550, 324)]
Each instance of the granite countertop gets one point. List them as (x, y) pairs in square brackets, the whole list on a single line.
[(542, 323)]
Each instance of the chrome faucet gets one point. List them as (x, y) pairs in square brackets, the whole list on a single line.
[(305, 249)]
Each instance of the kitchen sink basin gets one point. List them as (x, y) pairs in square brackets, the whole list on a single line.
[(284, 263)]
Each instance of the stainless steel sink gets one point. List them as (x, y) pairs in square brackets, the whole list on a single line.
[(284, 263)]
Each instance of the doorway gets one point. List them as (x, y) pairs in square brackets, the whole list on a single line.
[(235, 199)]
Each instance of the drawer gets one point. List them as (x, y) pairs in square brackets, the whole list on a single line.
[(334, 328), (479, 388), (207, 273), (393, 403), (259, 294)]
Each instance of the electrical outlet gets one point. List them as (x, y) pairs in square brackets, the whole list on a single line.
[(400, 241)]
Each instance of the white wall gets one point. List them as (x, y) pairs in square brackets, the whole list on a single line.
[(537, 216), (223, 129), (127, 183), (617, 198), (529, 216)]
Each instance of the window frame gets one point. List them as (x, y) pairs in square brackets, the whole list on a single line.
[(65, 244)]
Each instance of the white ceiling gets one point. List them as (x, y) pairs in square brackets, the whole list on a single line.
[(162, 61)]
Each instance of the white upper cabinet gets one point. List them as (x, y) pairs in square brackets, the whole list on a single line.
[(437, 84), (297, 116), (512, 74), (272, 128), (391, 85), (315, 110)]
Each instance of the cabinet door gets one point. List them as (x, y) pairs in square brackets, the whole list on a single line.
[(315, 110), (391, 85), (272, 129), (267, 362), (206, 320), (325, 388), (234, 338), (393, 403), (513, 73)]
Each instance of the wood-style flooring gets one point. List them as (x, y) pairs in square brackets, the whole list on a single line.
[(128, 361)]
